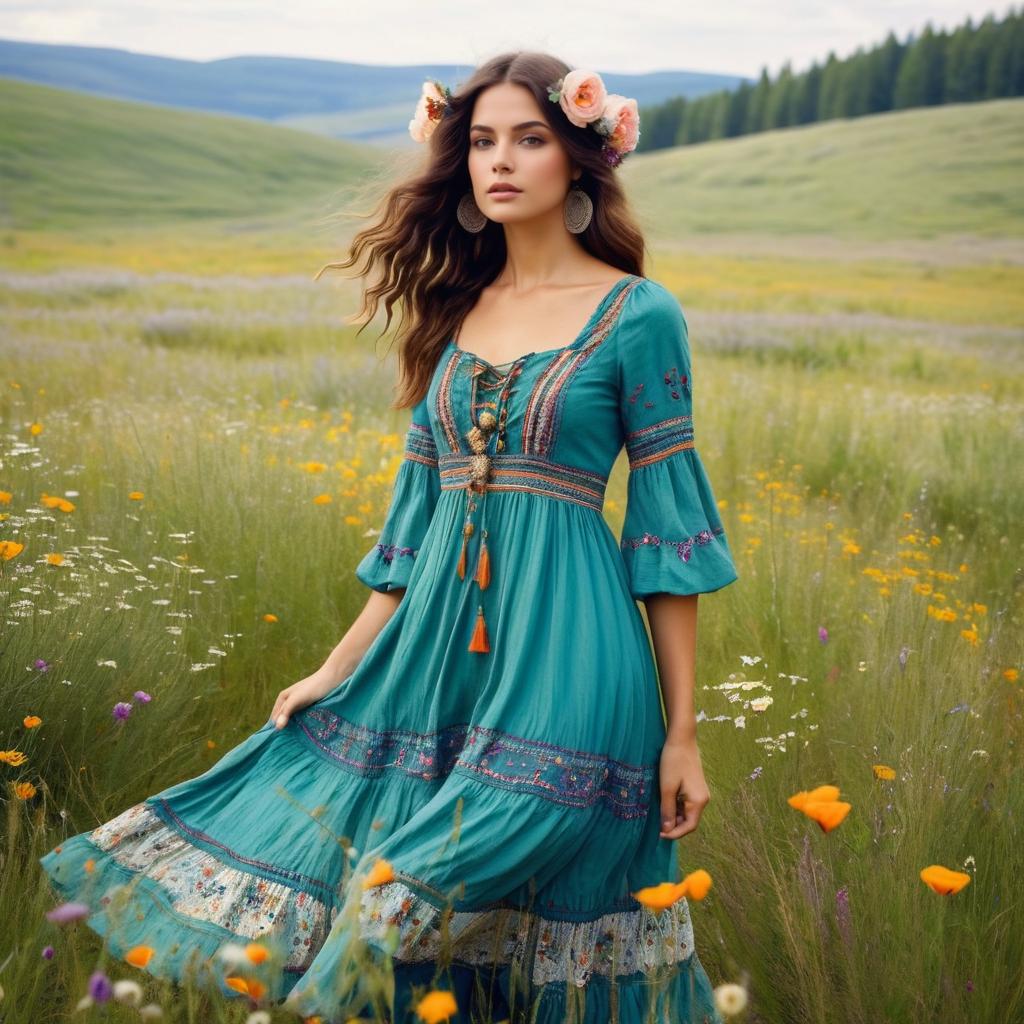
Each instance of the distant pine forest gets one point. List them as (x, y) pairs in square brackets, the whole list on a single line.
[(972, 62)]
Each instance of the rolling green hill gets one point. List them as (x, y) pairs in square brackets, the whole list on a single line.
[(918, 173), (71, 161)]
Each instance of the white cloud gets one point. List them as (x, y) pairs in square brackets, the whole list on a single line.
[(736, 37)]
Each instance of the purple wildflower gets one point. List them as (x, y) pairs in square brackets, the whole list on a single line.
[(40, 665), (68, 912), (47, 952), (142, 696), (843, 913), (122, 709), (823, 634), (100, 987)]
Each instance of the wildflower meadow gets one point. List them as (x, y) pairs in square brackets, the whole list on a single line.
[(193, 461)]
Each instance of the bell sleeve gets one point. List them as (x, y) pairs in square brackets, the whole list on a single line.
[(388, 564), (673, 540)]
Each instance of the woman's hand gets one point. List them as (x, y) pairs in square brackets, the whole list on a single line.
[(684, 793), (299, 695)]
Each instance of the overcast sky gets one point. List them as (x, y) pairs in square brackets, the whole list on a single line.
[(732, 36)]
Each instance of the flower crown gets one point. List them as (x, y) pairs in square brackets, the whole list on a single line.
[(582, 96)]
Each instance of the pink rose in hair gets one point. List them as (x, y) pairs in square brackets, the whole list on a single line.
[(428, 112), (583, 96), (624, 117)]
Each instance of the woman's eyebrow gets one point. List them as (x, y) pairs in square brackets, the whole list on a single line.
[(515, 127)]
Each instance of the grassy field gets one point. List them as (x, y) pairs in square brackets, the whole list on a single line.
[(179, 397)]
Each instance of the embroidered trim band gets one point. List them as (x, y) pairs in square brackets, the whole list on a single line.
[(570, 777), (512, 471), (683, 547), (544, 407), (419, 444), (659, 440)]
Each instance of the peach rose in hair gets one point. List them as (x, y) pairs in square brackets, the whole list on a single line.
[(428, 112), (624, 117), (583, 96)]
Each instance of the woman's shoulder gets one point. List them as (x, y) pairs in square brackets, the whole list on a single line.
[(650, 304)]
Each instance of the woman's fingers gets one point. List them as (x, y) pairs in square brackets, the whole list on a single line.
[(279, 708)]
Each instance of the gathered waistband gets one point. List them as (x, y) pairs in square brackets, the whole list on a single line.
[(512, 471)]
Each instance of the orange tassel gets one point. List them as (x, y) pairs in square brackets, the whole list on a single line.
[(483, 567), (480, 642), (467, 532)]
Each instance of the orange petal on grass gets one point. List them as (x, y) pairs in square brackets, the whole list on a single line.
[(827, 813), (256, 952), (697, 884), (437, 1006), (247, 986), (662, 896), (139, 956), (942, 880), (380, 873), (798, 800)]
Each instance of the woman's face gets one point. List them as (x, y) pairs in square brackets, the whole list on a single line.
[(510, 141)]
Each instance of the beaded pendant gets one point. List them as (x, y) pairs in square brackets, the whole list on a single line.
[(478, 437)]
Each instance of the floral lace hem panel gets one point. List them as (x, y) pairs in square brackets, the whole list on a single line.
[(615, 944), (201, 886)]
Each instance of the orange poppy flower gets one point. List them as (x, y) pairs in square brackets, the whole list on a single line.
[(660, 897), (944, 881), (798, 800), (380, 873), (31, 721), (827, 813), (436, 1006), (256, 952), (139, 956), (697, 884), (247, 986)]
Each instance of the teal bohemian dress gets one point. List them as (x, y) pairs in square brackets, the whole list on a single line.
[(476, 803)]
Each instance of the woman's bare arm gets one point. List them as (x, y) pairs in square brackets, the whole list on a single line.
[(684, 791), (342, 661)]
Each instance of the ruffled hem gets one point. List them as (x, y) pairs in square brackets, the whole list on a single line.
[(621, 966), (672, 539), (129, 909), (617, 967), (389, 563)]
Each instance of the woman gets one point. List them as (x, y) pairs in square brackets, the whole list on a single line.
[(476, 782)]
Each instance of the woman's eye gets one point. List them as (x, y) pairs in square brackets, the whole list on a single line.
[(536, 138)]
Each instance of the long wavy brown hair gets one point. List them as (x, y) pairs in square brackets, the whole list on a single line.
[(420, 256)]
